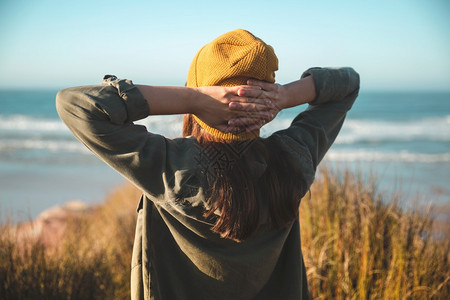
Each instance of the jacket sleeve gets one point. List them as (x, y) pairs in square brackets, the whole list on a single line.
[(313, 131), (101, 117)]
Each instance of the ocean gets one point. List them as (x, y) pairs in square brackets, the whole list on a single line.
[(402, 138)]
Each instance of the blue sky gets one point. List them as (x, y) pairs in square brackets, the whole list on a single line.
[(394, 45)]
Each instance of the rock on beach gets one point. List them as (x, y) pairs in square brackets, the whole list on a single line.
[(49, 227)]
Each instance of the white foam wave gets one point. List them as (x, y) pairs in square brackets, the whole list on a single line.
[(25, 123), (169, 126), (166, 125), (358, 155), (355, 130), (52, 146), (432, 129)]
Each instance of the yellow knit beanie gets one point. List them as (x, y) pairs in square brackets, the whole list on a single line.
[(229, 60)]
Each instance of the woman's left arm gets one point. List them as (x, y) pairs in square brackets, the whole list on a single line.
[(102, 116)]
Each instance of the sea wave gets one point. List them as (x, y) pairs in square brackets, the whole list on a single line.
[(38, 144), (431, 129), (348, 155), (361, 155), (353, 131), (375, 131), (167, 125), (26, 123)]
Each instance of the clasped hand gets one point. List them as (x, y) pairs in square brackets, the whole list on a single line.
[(243, 108)]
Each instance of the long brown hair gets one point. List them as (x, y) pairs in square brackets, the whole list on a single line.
[(240, 201)]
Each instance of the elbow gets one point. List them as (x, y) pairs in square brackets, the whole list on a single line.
[(353, 83), (61, 102), (61, 96), (64, 100)]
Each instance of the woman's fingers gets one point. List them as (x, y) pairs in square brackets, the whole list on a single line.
[(254, 119), (250, 106), (268, 92), (262, 84), (263, 101), (248, 91), (247, 122)]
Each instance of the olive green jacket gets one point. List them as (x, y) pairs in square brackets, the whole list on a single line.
[(176, 255)]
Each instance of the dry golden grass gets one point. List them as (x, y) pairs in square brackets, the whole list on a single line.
[(90, 261), (357, 244)]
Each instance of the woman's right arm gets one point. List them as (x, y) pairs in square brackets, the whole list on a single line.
[(209, 103)]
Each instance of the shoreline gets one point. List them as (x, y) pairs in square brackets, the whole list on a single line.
[(26, 191), (49, 224)]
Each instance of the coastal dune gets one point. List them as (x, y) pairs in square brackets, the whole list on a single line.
[(356, 242)]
